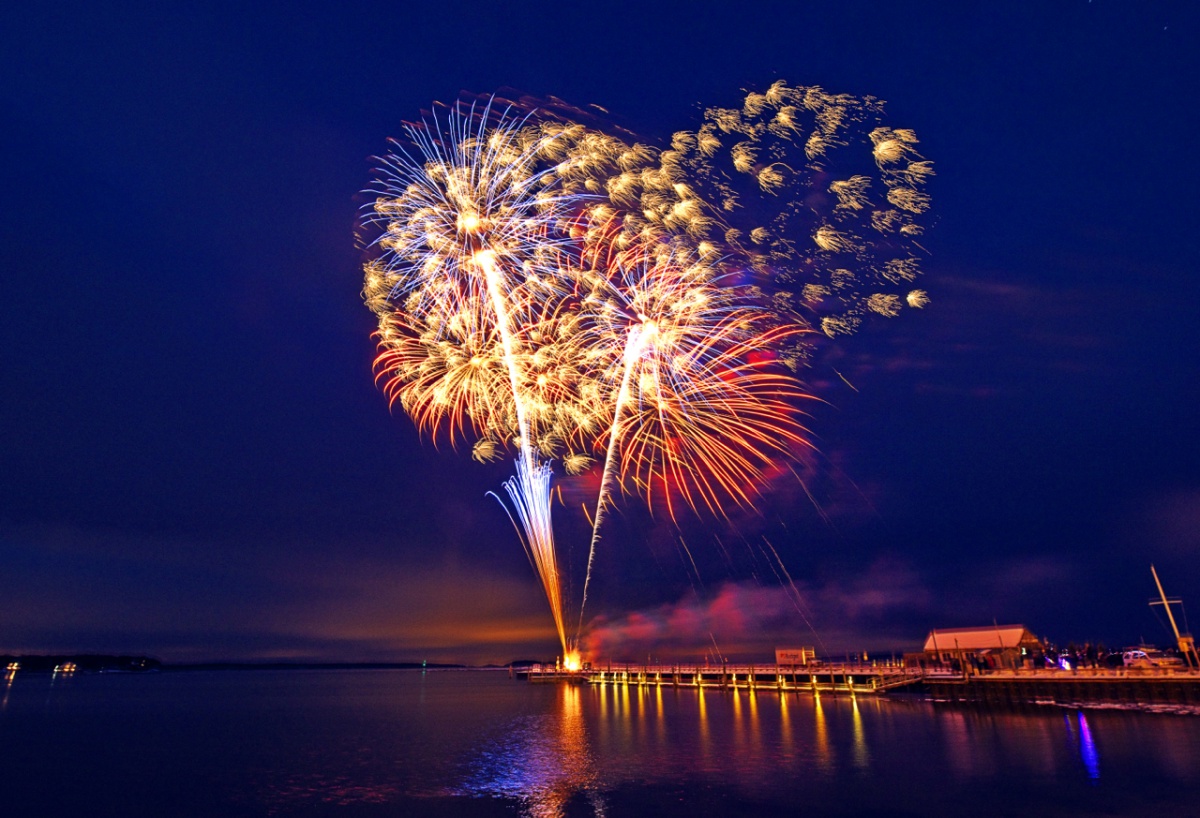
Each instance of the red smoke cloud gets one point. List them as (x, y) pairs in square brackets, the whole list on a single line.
[(882, 609)]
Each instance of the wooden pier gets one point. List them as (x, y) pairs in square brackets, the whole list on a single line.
[(853, 679), (1116, 687), (1119, 687)]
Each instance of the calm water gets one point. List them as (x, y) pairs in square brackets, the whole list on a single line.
[(392, 743)]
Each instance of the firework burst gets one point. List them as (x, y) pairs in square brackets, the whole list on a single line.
[(470, 231), (548, 288)]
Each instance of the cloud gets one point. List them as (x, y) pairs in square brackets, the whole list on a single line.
[(879, 609)]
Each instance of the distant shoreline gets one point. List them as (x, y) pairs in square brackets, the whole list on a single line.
[(112, 663)]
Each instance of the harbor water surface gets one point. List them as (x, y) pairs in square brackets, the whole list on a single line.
[(478, 743)]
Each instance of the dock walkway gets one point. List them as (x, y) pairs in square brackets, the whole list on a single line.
[(866, 678), (1116, 686), (1093, 686)]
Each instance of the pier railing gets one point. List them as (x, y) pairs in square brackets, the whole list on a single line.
[(849, 677), (852, 677)]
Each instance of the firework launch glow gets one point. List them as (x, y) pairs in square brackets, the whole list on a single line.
[(564, 292)]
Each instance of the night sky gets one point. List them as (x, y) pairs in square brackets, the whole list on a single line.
[(195, 462)]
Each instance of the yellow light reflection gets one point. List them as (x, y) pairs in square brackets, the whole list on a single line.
[(547, 766), (573, 770), (752, 711), (862, 758), (739, 732), (660, 726), (785, 724), (824, 752)]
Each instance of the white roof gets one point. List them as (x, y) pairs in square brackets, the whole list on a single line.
[(988, 636)]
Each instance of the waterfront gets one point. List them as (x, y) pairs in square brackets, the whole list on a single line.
[(1168, 689), (381, 743)]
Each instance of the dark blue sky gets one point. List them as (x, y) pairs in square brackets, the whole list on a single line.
[(195, 461)]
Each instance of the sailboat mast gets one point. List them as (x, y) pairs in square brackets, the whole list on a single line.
[(1187, 645)]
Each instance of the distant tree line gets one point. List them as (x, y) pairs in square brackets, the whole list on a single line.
[(89, 662)]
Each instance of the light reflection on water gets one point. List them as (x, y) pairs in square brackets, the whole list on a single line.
[(300, 743), (824, 754), (1087, 749), (774, 747), (862, 758), (542, 762), (9, 677)]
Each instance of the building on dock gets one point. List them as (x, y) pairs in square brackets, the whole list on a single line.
[(991, 646), (792, 657)]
